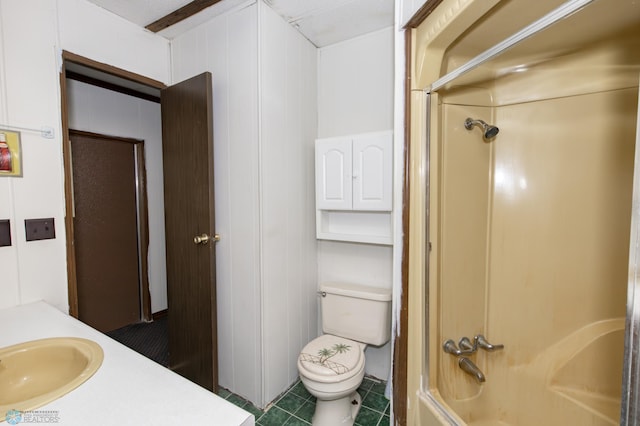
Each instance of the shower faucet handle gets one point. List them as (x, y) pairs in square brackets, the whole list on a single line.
[(466, 345), (450, 347), (482, 342), (466, 348)]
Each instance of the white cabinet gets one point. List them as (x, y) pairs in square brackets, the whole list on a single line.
[(354, 187), (354, 172), (334, 174)]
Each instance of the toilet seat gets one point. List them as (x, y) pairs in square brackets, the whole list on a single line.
[(330, 359)]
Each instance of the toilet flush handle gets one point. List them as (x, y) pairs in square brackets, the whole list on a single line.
[(322, 293)]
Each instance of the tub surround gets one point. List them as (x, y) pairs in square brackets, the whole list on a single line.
[(540, 216), (128, 389)]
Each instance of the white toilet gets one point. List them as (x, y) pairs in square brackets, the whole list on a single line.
[(331, 366)]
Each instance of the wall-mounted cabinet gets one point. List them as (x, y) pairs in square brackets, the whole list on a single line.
[(354, 191), (354, 172)]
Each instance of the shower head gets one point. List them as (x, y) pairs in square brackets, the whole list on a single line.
[(488, 131)]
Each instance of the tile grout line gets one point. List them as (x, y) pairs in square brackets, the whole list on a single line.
[(293, 393), (373, 409)]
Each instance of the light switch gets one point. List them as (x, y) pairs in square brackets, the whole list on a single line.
[(5, 233), (39, 229)]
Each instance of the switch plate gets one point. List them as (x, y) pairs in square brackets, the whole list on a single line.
[(40, 229), (5, 233)]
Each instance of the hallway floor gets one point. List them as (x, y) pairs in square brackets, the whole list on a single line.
[(150, 339)]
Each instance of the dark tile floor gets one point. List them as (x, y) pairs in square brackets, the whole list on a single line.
[(296, 406)]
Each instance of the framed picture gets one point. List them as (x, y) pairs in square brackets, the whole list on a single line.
[(10, 153)]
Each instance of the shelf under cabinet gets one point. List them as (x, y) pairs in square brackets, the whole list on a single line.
[(373, 227)]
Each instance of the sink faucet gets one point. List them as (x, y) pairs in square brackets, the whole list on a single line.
[(470, 368)]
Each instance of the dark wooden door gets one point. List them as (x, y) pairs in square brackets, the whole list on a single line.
[(106, 231), (187, 134)]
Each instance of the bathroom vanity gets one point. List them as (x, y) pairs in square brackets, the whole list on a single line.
[(127, 389)]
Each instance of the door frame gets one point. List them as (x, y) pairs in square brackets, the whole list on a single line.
[(72, 281), (142, 215)]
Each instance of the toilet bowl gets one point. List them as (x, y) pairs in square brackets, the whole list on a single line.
[(332, 366)]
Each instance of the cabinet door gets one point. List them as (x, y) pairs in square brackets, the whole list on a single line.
[(333, 174), (372, 171)]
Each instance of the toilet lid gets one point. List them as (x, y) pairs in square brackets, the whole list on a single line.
[(331, 356)]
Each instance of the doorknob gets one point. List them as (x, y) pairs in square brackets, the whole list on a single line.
[(204, 238), (201, 239)]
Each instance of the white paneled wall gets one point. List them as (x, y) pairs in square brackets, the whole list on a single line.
[(9, 284), (355, 85), (88, 30), (227, 47), (355, 95), (35, 270), (33, 35), (408, 8), (97, 110), (264, 126), (288, 107)]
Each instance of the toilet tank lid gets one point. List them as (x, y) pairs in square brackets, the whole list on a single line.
[(357, 290)]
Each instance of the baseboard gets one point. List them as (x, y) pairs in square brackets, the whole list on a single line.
[(160, 314)]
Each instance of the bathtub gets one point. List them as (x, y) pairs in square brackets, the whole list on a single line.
[(525, 236)]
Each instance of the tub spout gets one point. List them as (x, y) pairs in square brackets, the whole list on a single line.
[(471, 369)]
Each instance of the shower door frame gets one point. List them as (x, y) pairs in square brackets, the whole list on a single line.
[(629, 414), (426, 165)]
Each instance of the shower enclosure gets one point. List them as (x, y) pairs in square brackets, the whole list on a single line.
[(524, 214)]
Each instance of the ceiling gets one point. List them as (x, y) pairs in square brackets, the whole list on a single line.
[(323, 22)]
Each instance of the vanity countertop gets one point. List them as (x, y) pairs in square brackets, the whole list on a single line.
[(128, 389)]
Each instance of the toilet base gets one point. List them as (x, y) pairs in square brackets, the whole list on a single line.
[(339, 412)]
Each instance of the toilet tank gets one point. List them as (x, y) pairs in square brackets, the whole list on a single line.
[(356, 312)]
